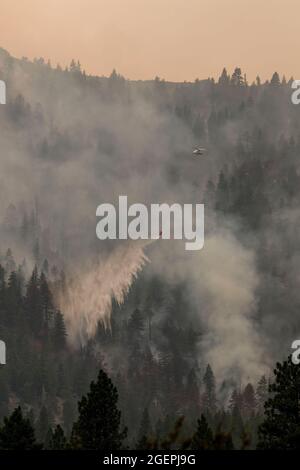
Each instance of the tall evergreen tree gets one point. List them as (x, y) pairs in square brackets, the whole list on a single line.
[(99, 421), (235, 400), (203, 438), (58, 440), (136, 325), (59, 333), (237, 77), (209, 398), (224, 78), (275, 80), (33, 303), (281, 427), (46, 299), (261, 394), (13, 299), (10, 264), (249, 402), (17, 433)]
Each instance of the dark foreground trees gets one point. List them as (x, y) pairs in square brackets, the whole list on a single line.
[(57, 439), (17, 433), (281, 428), (203, 438), (98, 426), (99, 423)]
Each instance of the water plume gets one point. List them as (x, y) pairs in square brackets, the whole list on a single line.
[(86, 299)]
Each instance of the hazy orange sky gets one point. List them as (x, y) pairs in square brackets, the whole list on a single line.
[(174, 39)]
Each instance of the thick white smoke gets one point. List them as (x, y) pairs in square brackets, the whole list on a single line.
[(223, 280), (233, 345)]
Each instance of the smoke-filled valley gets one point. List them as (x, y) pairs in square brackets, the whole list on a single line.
[(179, 332)]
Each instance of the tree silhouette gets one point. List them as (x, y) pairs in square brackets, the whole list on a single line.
[(98, 424), (209, 383), (275, 80), (281, 427), (58, 440), (59, 333), (17, 433), (203, 438), (261, 394)]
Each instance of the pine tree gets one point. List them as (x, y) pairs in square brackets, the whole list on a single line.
[(58, 440), (33, 304), (224, 78), (136, 324), (235, 400), (203, 438), (13, 299), (43, 424), (36, 252), (59, 333), (249, 402), (10, 264), (261, 394), (17, 433), (98, 424), (237, 77), (281, 427), (275, 80), (209, 399), (46, 300)]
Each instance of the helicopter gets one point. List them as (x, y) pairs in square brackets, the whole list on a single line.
[(199, 151)]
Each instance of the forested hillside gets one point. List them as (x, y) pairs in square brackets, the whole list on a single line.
[(195, 334)]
